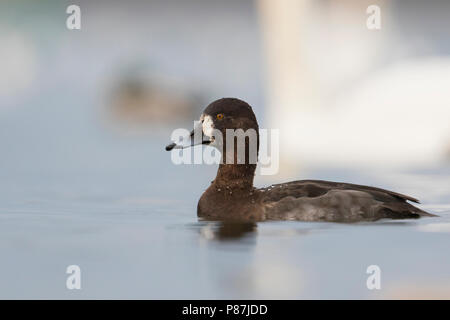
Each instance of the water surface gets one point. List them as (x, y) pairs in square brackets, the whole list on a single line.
[(117, 207)]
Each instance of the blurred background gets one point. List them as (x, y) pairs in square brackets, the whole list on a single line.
[(85, 115)]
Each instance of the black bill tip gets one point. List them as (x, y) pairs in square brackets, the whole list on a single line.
[(170, 146)]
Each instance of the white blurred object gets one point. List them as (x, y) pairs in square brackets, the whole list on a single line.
[(18, 64), (336, 103), (398, 116)]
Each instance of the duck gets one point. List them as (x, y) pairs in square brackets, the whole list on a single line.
[(232, 195)]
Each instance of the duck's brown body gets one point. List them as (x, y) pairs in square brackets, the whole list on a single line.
[(307, 200), (233, 204), (232, 195)]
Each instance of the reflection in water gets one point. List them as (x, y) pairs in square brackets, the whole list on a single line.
[(268, 276), (247, 269), (435, 227), (228, 230), (419, 291)]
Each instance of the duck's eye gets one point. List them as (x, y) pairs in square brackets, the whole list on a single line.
[(219, 116)]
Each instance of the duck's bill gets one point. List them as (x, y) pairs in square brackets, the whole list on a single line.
[(196, 137)]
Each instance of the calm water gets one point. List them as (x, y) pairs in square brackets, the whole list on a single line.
[(117, 207)]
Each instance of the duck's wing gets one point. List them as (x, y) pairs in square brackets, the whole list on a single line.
[(336, 201)]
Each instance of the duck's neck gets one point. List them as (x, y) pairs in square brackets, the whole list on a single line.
[(237, 170), (235, 176)]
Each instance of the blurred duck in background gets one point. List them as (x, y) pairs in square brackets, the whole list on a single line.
[(140, 97)]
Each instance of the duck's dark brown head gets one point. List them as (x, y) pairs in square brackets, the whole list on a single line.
[(230, 113), (224, 123), (221, 115)]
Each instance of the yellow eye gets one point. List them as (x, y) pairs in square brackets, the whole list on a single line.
[(219, 116)]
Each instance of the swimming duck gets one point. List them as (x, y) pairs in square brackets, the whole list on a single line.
[(232, 196)]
